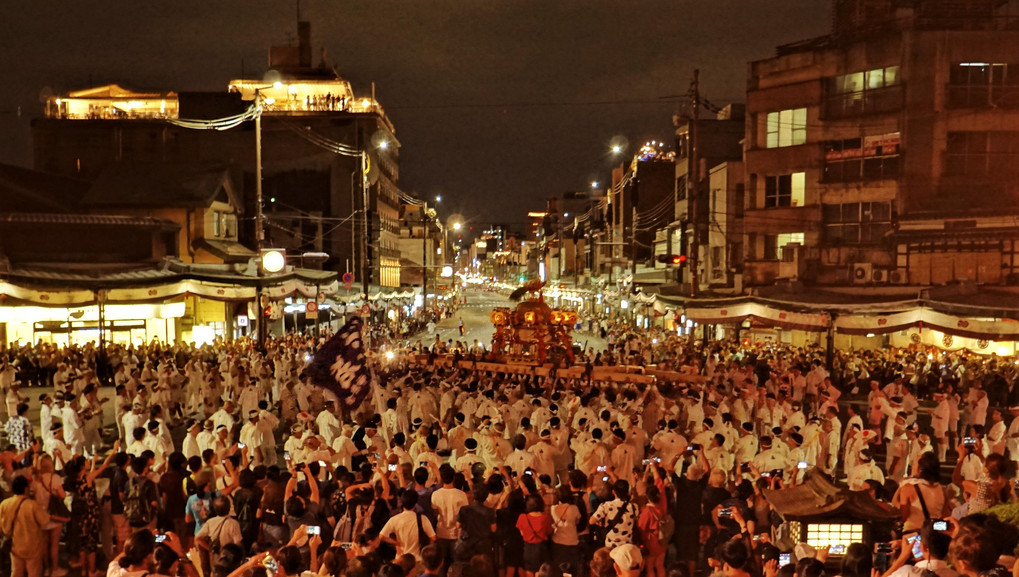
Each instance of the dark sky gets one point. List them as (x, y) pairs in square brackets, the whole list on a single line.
[(498, 104)]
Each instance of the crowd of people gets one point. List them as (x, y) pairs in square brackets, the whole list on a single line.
[(228, 461)]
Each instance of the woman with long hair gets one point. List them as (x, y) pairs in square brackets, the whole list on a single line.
[(991, 487), (509, 542), (84, 527), (922, 496)]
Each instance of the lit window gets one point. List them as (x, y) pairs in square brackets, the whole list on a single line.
[(825, 534), (866, 92), (787, 128), (785, 190)]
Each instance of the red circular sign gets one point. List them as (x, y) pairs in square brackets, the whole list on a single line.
[(311, 307), (366, 309), (348, 277)]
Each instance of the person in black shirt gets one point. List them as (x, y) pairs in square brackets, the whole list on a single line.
[(274, 531), (688, 516), (477, 527), (246, 502)]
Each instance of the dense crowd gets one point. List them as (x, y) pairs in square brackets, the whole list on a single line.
[(228, 461)]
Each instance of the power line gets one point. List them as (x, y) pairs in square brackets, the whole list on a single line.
[(526, 104)]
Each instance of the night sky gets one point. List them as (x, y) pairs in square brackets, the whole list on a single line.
[(498, 104)]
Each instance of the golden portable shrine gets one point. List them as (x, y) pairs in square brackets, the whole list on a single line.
[(533, 331)]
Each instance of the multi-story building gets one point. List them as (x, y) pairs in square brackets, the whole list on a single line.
[(722, 256), (317, 140), (420, 246), (717, 141), (883, 152)]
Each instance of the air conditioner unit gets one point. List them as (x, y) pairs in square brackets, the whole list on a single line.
[(898, 276), (861, 272), (879, 276)]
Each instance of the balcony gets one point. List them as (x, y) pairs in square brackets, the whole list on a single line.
[(761, 272), (969, 96), (864, 102)]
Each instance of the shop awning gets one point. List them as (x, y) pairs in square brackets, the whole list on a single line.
[(989, 329), (760, 313), (983, 313), (168, 280)]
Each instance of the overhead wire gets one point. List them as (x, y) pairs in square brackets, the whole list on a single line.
[(225, 123)]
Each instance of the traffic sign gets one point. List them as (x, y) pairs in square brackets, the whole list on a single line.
[(348, 277), (311, 307), (366, 309)]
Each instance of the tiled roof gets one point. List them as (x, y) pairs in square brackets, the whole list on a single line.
[(85, 219)]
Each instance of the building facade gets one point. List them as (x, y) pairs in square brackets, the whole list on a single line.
[(318, 141), (882, 153)]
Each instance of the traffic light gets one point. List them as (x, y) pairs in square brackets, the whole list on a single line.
[(673, 259)]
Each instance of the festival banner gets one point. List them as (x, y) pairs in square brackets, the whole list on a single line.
[(339, 366)]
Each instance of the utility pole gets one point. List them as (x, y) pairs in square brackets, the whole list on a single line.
[(263, 322), (366, 240), (424, 259), (692, 179)]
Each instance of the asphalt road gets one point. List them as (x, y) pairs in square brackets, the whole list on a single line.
[(478, 324)]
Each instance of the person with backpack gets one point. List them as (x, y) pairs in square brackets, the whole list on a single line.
[(618, 517), (477, 524), (246, 501), (655, 526), (141, 497), (218, 532), (409, 531)]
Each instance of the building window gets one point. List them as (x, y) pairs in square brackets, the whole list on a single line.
[(217, 227), (856, 159), (783, 240), (871, 91), (787, 128), (983, 85), (770, 247), (856, 222), (784, 190), (735, 253), (981, 153)]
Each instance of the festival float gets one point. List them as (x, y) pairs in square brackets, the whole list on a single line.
[(533, 332)]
